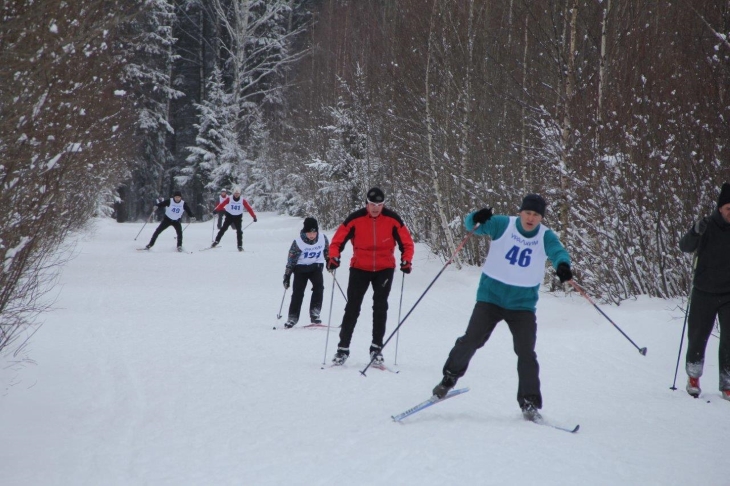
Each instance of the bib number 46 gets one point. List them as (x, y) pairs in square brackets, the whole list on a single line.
[(521, 258)]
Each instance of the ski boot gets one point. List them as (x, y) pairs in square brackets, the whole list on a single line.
[(341, 356), (447, 383), (693, 386), (376, 356), (530, 412)]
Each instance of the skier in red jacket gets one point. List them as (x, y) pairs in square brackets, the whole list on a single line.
[(374, 231), (233, 207)]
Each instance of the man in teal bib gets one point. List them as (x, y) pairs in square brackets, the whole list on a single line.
[(508, 291)]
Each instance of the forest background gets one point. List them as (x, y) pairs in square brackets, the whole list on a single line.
[(615, 110)]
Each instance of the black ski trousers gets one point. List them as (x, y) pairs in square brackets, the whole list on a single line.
[(523, 326), (297, 296), (234, 221), (703, 309), (360, 281), (166, 222)]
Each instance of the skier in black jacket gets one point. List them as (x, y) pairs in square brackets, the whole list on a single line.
[(174, 209), (710, 239), (307, 256)]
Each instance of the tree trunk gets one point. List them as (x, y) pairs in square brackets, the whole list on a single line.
[(440, 207)]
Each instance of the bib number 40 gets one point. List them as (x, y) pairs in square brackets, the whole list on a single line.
[(521, 258)]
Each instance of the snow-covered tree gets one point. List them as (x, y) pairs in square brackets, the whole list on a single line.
[(216, 159), (147, 77), (64, 140)]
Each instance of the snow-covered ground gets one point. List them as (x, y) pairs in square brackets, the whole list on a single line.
[(164, 368)]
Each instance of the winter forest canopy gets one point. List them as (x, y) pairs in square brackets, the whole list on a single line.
[(615, 110)]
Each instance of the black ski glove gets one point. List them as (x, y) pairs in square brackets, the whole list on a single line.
[(254, 219), (700, 226), (482, 216), (287, 279), (563, 272), (405, 266)]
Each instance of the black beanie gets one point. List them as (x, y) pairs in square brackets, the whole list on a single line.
[(534, 202), (375, 195), (310, 224), (724, 195), (177, 193)]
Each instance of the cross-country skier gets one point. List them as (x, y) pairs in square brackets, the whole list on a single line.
[(174, 208), (374, 230), (508, 290), (307, 256), (222, 197), (233, 207), (710, 298)]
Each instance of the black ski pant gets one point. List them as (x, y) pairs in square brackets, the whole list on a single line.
[(703, 309), (523, 326), (360, 281), (220, 220), (298, 287), (166, 222), (234, 221)]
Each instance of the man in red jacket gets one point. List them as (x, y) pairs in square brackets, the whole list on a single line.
[(233, 207), (374, 231)]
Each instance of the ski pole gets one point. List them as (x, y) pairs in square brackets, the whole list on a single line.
[(145, 224), (684, 326), (681, 343), (400, 306), (212, 230), (329, 319), (582, 292), (338, 286), (451, 259), (249, 224), (278, 316)]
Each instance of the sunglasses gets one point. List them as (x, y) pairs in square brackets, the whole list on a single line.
[(377, 205)]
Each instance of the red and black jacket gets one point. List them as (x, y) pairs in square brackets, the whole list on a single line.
[(373, 240)]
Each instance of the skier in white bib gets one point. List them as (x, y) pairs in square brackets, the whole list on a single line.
[(223, 196), (307, 256), (233, 207), (508, 291), (174, 209)]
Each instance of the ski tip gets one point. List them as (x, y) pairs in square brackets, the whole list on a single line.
[(576, 429)]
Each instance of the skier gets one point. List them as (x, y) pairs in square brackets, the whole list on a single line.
[(306, 259), (221, 198), (233, 207), (374, 231), (710, 239), (174, 208), (508, 290)]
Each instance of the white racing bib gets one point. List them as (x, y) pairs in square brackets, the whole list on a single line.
[(234, 207), (516, 260), (311, 253), (174, 210)]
